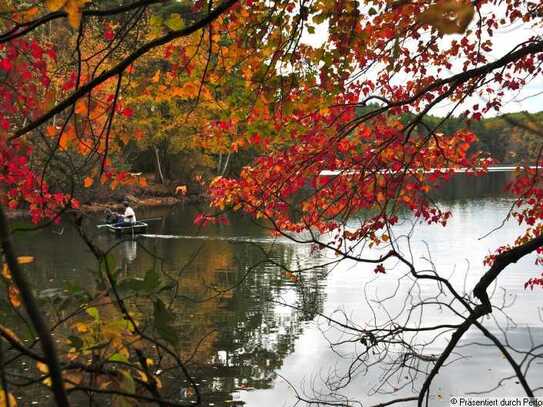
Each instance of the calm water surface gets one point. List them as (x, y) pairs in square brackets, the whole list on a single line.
[(263, 330)]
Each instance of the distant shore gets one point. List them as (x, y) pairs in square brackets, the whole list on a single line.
[(99, 207)]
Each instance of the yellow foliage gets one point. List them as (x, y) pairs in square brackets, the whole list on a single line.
[(5, 397), (72, 8), (25, 259), (5, 272), (55, 5), (81, 327), (43, 368), (449, 16)]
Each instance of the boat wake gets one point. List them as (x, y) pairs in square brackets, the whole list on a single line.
[(244, 239)]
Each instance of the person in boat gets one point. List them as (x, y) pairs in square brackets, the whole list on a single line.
[(129, 216), (112, 217)]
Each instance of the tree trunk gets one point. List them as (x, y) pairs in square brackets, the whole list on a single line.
[(219, 164), (226, 164), (158, 167)]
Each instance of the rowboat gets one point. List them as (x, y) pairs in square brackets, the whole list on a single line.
[(138, 227)]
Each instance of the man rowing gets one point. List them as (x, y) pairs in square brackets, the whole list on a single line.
[(128, 218)]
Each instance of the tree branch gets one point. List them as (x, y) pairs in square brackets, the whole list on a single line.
[(27, 298), (125, 63)]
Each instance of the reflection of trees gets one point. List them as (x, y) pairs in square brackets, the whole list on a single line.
[(231, 324), (225, 295), (462, 187)]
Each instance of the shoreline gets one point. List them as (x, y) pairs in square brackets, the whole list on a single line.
[(100, 207)]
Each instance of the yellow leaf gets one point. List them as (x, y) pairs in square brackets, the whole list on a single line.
[(74, 14), (175, 22), (143, 376), (87, 182), (81, 327), (73, 8), (449, 16), (25, 259), (5, 272), (55, 5), (5, 397)]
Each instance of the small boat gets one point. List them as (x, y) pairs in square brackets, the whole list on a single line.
[(138, 227)]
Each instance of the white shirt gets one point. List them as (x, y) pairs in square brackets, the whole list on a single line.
[(129, 215)]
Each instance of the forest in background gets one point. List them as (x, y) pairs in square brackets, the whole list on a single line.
[(512, 138), (509, 139)]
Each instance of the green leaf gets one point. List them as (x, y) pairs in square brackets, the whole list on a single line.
[(372, 11), (93, 312), (175, 22), (162, 320), (73, 288), (310, 29), (319, 18), (117, 357), (225, 41), (108, 263), (151, 280), (155, 21), (127, 382)]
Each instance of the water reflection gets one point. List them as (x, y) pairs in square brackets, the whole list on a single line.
[(464, 187), (130, 250), (243, 320)]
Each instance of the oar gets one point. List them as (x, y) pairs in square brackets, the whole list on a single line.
[(150, 219)]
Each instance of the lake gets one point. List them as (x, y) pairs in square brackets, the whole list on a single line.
[(256, 331)]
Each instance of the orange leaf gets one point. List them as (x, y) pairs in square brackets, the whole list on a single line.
[(51, 131), (81, 107), (88, 182), (42, 367), (14, 297), (25, 259)]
